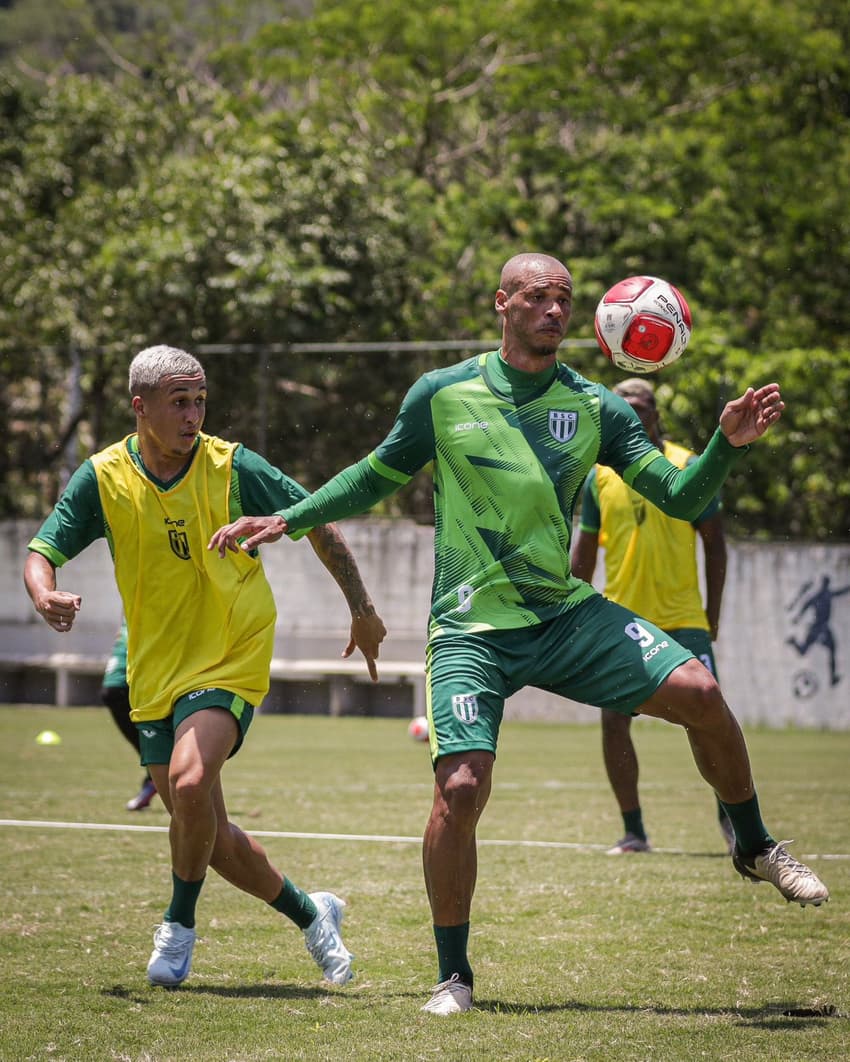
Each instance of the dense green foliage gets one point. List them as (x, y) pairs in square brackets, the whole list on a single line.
[(213, 173)]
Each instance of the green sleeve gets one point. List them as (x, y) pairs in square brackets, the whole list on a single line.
[(258, 488), (76, 521), (410, 444), (685, 492), (352, 491), (713, 507)]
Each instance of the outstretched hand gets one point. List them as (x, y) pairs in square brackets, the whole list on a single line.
[(367, 633), (747, 418), (254, 529)]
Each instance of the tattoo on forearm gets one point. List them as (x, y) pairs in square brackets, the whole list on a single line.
[(333, 552)]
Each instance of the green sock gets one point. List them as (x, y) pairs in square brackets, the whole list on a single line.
[(633, 822), (295, 904), (750, 832), (184, 897), (451, 952)]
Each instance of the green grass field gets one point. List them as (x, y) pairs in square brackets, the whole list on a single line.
[(577, 955)]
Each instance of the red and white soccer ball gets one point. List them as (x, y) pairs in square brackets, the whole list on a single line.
[(418, 728), (643, 324)]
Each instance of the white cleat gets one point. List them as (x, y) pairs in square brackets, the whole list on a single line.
[(171, 959), (793, 879), (323, 939), (450, 997)]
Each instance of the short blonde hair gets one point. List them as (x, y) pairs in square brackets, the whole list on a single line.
[(151, 365)]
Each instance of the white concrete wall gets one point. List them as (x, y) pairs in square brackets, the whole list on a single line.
[(765, 678)]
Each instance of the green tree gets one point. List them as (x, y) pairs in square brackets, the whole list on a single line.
[(359, 170)]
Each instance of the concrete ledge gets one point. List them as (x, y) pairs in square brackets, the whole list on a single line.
[(338, 672), (61, 674)]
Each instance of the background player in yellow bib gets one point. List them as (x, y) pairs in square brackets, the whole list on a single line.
[(200, 632), (651, 569)]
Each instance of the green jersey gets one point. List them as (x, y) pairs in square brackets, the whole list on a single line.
[(510, 451)]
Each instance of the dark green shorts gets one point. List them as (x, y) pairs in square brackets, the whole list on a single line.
[(699, 643), (156, 737), (598, 653)]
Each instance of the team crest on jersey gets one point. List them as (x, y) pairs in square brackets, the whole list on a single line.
[(465, 707), (179, 542), (562, 424)]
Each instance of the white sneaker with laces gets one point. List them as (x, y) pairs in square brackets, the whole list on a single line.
[(171, 958), (630, 843), (323, 939), (793, 879), (449, 997)]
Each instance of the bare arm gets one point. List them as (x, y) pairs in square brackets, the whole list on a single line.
[(583, 558), (367, 628), (714, 547), (58, 608)]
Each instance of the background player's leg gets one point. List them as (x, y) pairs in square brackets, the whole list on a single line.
[(117, 700), (621, 765)]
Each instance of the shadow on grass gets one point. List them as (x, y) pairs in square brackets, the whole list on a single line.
[(259, 991), (785, 1015), (256, 991)]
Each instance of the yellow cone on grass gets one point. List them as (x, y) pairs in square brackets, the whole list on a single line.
[(48, 737)]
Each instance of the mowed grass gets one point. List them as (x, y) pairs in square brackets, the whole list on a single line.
[(577, 955)]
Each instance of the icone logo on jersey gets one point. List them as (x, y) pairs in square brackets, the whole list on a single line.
[(468, 425)]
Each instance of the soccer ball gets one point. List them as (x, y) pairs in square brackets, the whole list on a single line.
[(418, 728), (643, 324)]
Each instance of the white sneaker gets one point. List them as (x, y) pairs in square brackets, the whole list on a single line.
[(793, 879), (630, 843), (171, 959), (323, 939), (450, 997)]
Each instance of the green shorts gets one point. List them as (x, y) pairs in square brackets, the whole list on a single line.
[(699, 643), (156, 737), (598, 653)]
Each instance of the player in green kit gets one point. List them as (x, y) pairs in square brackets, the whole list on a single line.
[(512, 435)]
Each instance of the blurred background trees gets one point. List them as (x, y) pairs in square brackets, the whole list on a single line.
[(238, 177)]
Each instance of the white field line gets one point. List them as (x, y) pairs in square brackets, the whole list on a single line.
[(379, 838)]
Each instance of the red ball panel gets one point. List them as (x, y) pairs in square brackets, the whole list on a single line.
[(648, 338), (629, 289)]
